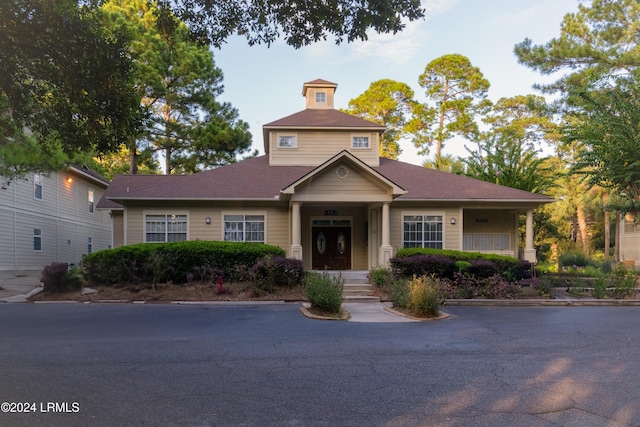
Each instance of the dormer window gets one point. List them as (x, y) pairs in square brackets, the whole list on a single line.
[(360, 142), (287, 141), (321, 97)]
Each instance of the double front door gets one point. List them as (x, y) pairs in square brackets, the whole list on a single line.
[(331, 248)]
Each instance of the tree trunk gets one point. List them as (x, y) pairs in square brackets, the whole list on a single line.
[(607, 233), (616, 248), (584, 235), (133, 160)]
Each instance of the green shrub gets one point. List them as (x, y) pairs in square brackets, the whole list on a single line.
[(381, 277), (574, 259), (399, 293), (324, 292), (424, 296), (624, 282), (172, 262), (462, 266), (58, 277), (273, 272), (599, 288)]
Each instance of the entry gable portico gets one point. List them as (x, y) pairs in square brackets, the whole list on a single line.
[(332, 204), (343, 178)]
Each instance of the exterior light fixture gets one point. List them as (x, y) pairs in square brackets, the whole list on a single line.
[(69, 180), (207, 220), (452, 221)]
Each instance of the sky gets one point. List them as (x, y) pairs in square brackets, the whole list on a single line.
[(265, 83)]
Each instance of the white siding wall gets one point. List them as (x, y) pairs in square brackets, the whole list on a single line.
[(62, 215)]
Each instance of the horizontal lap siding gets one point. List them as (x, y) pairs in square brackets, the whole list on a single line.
[(7, 240), (314, 148), (630, 246), (451, 236)]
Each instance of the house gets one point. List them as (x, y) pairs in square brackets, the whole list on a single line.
[(629, 236), (49, 218), (322, 193)]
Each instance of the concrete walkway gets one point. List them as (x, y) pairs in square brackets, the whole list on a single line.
[(18, 286)]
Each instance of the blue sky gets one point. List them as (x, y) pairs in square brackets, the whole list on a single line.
[(265, 83)]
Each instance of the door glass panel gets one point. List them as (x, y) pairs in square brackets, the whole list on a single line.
[(321, 243), (341, 243)]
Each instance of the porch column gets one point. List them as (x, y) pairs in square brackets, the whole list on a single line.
[(296, 241), (386, 251), (529, 250)]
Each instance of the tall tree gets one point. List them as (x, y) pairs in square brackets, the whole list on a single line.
[(388, 103), (299, 22), (595, 43), (446, 163), (64, 85), (456, 92), (178, 83)]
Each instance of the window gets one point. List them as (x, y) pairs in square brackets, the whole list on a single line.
[(166, 228), (244, 228), (37, 239), (90, 199), (422, 231), (321, 97), (90, 245), (37, 186), (486, 242), (360, 142), (287, 141)]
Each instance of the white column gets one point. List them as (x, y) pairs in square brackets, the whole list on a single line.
[(296, 241), (529, 250), (386, 251)]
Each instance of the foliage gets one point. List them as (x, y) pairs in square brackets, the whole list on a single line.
[(381, 276), (425, 297), (491, 287), (171, 262), (58, 277), (324, 292), (511, 268), (608, 134), (420, 265), (65, 79), (595, 43), (278, 271), (299, 22), (456, 91), (389, 103), (178, 82), (575, 259), (446, 163)]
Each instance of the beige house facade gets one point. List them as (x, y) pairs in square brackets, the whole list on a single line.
[(322, 192), (52, 218), (630, 240)]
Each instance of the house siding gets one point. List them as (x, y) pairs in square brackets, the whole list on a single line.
[(62, 216), (316, 147), (451, 233)]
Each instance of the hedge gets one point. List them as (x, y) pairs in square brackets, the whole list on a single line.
[(442, 263), (172, 262)]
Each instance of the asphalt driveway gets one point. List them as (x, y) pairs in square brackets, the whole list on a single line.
[(271, 366)]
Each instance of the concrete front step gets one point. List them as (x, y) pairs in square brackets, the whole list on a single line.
[(363, 298), (356, 285)]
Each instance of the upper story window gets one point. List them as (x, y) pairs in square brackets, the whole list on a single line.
[(287, 141), (321, 97), (166, 228), (37, 186), (90, 200), (360, 142)]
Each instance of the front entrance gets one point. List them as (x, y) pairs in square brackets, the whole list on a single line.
[(331, 248)]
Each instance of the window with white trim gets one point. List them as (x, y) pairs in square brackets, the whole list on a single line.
[(37, 186), (321, 97), (165, 228), (37, 239), (486, 242), (90, 200), (244, 228), (287, 141), (90, 245), (422, 231), (360, 141)]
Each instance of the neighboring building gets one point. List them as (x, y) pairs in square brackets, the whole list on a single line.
[(48, 218), (322, 193), (630, 240)]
